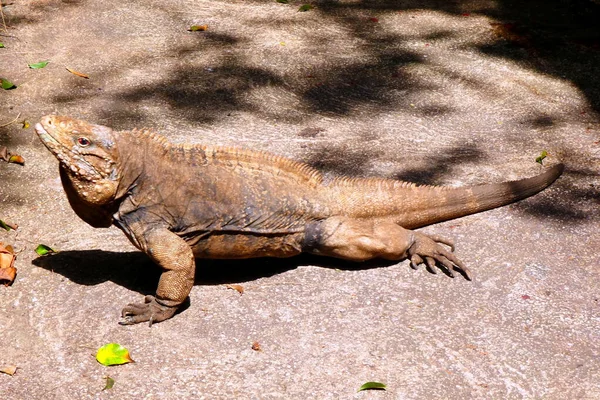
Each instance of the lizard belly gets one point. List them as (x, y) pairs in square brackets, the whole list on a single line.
[(247, 245)]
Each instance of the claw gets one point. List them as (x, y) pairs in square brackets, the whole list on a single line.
[(431, 265), (428, 249), (415, 261), (151, 310)]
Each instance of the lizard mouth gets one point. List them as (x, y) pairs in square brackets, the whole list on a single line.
[(68, 157), (46, 138)]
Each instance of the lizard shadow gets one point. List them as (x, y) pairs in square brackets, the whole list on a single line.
[(135, 271)]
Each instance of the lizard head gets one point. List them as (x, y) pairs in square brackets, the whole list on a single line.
[(87, 155)]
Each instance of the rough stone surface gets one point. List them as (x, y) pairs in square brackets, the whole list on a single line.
[(430, 91)]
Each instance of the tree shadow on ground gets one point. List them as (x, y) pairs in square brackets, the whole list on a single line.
[(552, 37)]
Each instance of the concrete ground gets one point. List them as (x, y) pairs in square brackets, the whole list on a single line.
[(437, 92)]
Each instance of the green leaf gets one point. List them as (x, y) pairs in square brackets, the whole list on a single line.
[(38, 65), (1, 45), (373, 386), (283, 1), (113, 354), (540, 159), (305, 7), (42, 250), (6, 84), (110, 382), (3, 225)]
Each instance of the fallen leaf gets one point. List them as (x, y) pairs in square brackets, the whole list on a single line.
[(372, 386), (1, 45), (305, 7), (42, 250), (7, 260), (38, 65), (196, 28), (6, 84), (283, 1), (113, 354), (26, 124), (16, 159), (5, 155), (7, 225), (526, 297), (8, 275), (256, 346), (110, 382), (77, 73), (540, 159), (238, 288), (373, 19), (9, 370), (7, 256)]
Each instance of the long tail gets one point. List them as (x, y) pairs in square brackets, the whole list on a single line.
[(413, 206)]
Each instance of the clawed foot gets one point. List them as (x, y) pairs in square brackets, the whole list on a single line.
[(151, 311), (427, 250)]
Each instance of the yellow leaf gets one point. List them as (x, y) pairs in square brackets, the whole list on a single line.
[(77, 73), (9, 370), (196, 28), (113, 354)]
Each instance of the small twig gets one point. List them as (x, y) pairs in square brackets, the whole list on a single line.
[(11, 122)]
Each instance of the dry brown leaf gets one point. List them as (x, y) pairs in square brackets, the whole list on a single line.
[(9, 369), (7, 260), (77, 73), (238, 288), (7, 275)]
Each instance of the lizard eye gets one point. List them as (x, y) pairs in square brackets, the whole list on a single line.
[(83, 141)]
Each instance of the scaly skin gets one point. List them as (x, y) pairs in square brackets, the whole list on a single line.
[(178, 203)]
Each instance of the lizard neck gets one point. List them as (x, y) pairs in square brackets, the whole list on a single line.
[(136, 152)]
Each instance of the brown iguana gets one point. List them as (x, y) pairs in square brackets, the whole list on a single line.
[(181, 202)]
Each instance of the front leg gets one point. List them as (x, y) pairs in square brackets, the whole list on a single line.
[(176, 259)]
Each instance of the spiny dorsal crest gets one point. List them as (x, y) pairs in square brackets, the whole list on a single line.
[(382, 184), (234, 157)]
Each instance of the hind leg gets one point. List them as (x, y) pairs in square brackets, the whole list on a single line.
[(365, 239)]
